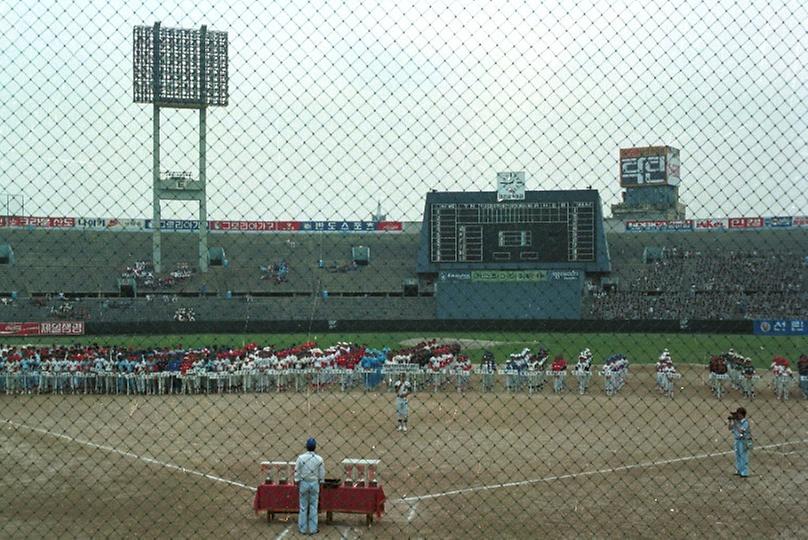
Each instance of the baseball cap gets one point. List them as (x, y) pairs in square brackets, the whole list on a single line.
[(311, 444)]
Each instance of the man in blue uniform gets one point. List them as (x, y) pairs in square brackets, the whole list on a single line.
[(739, 426), (309, 474)]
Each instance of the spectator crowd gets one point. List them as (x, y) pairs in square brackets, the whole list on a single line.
[(688, 284)]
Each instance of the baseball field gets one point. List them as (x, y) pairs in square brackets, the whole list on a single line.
[(474, 464)]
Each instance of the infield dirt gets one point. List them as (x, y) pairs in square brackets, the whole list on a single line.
[(635, 465)]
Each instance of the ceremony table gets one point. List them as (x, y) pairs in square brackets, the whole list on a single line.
[(283, 499)]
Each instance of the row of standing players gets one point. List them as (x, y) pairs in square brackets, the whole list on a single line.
[(523, 371), (526, 370), (738, 372)]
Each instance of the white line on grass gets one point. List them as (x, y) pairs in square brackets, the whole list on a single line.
[(145, 459), (284, 533), (552, 478)]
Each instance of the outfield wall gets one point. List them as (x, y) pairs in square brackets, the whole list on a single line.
[(509, 295), (427, 326)]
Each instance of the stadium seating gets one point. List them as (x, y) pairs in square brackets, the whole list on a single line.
[(710, 275), (741, 275)]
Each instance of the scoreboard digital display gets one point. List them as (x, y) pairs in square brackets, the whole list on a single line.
[(512, 232)]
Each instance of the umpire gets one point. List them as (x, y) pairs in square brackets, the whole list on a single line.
[(309, 474)]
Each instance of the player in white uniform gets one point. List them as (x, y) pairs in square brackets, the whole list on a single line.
[(583, 370), (403, 389)]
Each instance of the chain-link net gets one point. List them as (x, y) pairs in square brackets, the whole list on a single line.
[(522, 269)]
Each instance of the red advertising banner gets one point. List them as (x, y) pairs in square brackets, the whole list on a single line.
[(253, 226), (19, 329), (800, 221), (643, 151), (38, 222), (746, 223), (61, 328), (390, 226), (49, 328)]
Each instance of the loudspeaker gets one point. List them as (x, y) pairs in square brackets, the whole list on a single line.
[(6, 254), (360, 255), (216, 256), (410, 287), (127, 287)]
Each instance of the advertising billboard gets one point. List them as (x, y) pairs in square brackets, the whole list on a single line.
[(48, 328), (649, 166)]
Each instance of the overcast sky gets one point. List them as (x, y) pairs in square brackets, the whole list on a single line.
[(337, 106)]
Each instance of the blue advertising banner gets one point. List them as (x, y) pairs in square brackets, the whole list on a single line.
[(778, 222), (173, 225), (337, 226), (781, 327)]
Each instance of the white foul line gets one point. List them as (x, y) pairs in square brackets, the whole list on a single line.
[(284, 533), (145, 459), (411, 513), (587, 473)]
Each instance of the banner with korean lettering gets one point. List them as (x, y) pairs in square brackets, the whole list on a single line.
[(61, 328), (253, 226), (778, 222), (746, 223), (173, 225), (49, 328), (105, 224), (389, 226), (189, 225), (508, 275), (660, 225), (781, 327), (337, 226), (35, 222)]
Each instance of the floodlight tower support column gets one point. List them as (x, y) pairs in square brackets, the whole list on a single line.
[(203, 114), (156, 217)]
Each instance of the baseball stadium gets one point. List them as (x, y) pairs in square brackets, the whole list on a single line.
[(225, 253)]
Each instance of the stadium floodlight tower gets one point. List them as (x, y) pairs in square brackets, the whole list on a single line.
[(181, 69)]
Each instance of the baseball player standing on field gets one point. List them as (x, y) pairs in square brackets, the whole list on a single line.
[(403, 390)]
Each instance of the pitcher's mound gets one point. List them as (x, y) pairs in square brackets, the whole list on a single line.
[(464, 343)]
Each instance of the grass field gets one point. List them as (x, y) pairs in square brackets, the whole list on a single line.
[(640, 348)]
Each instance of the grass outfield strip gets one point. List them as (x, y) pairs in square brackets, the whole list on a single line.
[(640, 348)]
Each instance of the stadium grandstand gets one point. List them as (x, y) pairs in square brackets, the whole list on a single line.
[(104, 276), (704, 275)]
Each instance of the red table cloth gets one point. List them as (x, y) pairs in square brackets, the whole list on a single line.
[(354, 500)]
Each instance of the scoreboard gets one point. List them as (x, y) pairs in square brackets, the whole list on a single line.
[(503, 258), (559, 231)]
